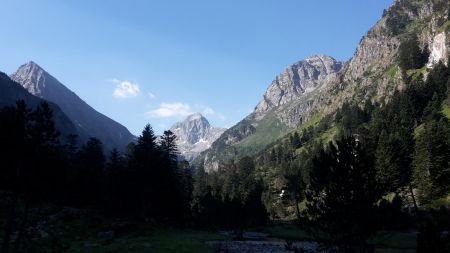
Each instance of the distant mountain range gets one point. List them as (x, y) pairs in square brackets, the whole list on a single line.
[(195, 135), (88, 122), (74, 116)]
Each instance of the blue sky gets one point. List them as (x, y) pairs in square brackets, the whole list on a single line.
[(155, 62)]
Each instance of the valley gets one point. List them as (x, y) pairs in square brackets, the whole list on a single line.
[(337, 156)]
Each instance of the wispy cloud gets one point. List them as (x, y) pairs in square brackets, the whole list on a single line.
[(209, 112), (125, 89), (169, 110), (151, 95), (180, 110)]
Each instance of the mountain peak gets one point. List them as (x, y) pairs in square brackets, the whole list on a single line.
[(195, 116), (87, 120), (31, 63), (319, 57), (194, 135), (30, 67), (32, 77), (298, 79)]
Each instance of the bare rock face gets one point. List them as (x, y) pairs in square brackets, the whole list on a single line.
[(299, 79), (87, 120), (438, 49), (195, 135)]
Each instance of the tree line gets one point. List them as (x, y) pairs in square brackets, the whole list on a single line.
[(147, 183)]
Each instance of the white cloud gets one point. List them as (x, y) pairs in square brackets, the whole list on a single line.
[(169, 110), (180, 110), (209, 112), (151, 95), (125, 89), (162, 125)]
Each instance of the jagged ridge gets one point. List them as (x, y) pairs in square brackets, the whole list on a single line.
[(195, 135)]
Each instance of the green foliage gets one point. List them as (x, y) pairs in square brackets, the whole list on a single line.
[(416, 74), (229, 198), (439, 203), (419, 131), (30, 152), (446, 111), (146, 184), (431, 161), (286, 232), (295, 186), (158, 241), (87, 173), (157, 183), (312, 122), (395, 240), (411, 56), (267, 130), (391, 71), (445, 27), (433, 236), (342, 195), (397, 19)]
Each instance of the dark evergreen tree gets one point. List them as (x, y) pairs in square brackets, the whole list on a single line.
[(295, 186), (32, 171), (116, 188), (411, 56), (433, 235), (87, 179), (432, 161), (342, 195), (169, 146), (147, 180), (295, 140)]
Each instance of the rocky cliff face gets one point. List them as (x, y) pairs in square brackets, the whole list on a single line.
[(284, 106), (87, 120), (373, 73), (195, 135), (320, 85), (298, 79)]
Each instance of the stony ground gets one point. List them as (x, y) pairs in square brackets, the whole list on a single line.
[(261, 246)]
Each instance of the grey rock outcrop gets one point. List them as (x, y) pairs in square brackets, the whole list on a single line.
[(88, 121), (194, 135), (299, 79)]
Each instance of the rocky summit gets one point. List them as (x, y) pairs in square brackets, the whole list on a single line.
[(195, 135), (298, 79)]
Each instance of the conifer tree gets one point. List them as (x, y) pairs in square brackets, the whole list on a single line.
[(295, 186), (90, 170), (432, 161), (169, 146), (116, 177), (343, 194)]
